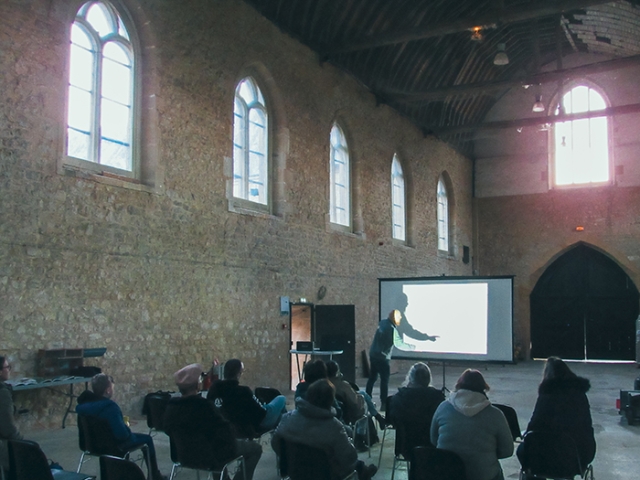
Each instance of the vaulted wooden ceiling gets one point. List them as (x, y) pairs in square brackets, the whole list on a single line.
[(418, 56)]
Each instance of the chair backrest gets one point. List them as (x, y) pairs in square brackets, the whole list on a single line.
[(512, 419), (551, 454), (27, 460), (266, 394), (197, 451), (429, 463), (156, 404), (96, 437), (116, 468), (302, 462)]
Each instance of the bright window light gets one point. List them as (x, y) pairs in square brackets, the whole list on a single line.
[(582, 146)]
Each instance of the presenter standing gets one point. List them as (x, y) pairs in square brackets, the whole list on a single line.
[(380, 353)]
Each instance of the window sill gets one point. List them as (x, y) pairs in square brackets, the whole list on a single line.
[(343, 230), (247, 208), (113, 180)]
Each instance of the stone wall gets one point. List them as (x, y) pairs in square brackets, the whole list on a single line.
[(164, 274)]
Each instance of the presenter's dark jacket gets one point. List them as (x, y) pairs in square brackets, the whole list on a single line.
[(562, 406), (239, 404), (382, 340), (413, 407), (203, 425)]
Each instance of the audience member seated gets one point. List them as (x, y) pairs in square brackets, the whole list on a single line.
[(562, 406), (414, 405), (350, 396), (98, 403), (239, 403), (312, 423), (8, 428), (312, 372), (204, 424), (467, 424)]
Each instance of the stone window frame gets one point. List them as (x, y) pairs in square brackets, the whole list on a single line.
[(278, 147), (398, 201), (335, 145), (553, 145), (445, 214), (148, 173)]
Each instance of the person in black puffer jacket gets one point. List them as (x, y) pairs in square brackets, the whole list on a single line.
[(562, 406)]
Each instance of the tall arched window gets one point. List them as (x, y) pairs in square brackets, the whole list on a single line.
[(582, 146), (340, 202), (398, 212), (100, 115), (250, 144), (443, 216)]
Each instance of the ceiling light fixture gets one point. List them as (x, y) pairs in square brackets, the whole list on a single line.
[(501, 57), (538, 106), (476, 34)]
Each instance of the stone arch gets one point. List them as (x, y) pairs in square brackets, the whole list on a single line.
[(583, 306)]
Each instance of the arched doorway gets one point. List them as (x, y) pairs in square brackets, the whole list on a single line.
[(584, 306)]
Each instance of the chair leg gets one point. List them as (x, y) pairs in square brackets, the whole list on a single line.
[(382, 446), (80, 463), (174, 471), (393, 470)]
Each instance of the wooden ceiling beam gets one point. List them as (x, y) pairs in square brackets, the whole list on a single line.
[(535, 79), (492, 18), (533, 121)]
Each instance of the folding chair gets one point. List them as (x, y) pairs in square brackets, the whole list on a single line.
[(28, 462), (302, 462), (390, 426), (95, 438), (198, 456), (512, 419), (156, 404), (552, 455), (116, 468), (430, 463)]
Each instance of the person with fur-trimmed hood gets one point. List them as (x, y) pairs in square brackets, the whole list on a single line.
[(562, 406)]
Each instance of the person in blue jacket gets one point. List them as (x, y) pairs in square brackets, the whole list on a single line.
[(97, 402)]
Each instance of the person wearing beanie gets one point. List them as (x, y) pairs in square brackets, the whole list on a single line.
[(197, 419), (467, 424)]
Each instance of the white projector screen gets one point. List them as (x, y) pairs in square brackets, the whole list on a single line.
[(471, 317)]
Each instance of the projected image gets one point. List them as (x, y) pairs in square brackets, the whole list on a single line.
[(455, 314), (457, 318)]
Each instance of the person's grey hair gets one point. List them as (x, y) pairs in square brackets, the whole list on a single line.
[(100, 383), (419, 375)]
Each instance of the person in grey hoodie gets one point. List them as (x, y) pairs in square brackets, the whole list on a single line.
[(470, 426)]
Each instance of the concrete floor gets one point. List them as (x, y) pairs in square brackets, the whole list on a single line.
[(618, 456)]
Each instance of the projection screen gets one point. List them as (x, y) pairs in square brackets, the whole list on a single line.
[(465, 318)]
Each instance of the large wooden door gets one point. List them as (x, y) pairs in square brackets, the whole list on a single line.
[(584, 306)]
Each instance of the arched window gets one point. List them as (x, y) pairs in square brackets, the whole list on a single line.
[(398, 212), (250, 144), (443, 216), (582, 146), (100, 114), (340, 203)]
